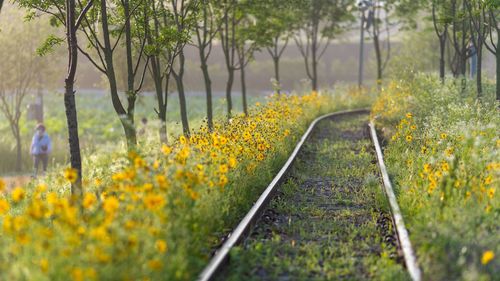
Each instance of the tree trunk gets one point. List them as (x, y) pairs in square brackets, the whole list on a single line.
[(69, 98), (498, 68), (442, 46), (19, 146), (276, 61), (229, 88), (244, 89), (208, 89), (314, 79), (182, 95), (479, 72), (378, 57)]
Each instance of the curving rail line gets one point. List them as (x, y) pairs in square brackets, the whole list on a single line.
[(222, 255)]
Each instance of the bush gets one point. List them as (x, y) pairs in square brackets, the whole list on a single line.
[(443, 156), (156, 213)]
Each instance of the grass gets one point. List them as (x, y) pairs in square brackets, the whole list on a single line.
[(158, 213), (325, 223), (443, 156), (99, 126)]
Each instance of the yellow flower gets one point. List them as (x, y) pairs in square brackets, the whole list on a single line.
[(183, 140), (111, 204), (161, 246), (491, 192), (413, 127), (88, 200), (71, 175), (445, 167), (427, 168), (155, 264), (154, 201), (223, 168), (77, 274), (18, 194), (166, 150), (162, 181), (423, 150), (2, 185), (44, 265), (488, 180), (487, 257), (443, 136), (223, 180), (409, 115), (409, 138), (286, 133), (232, 162), (4, 206)]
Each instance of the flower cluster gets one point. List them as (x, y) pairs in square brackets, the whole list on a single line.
[(133, 223)]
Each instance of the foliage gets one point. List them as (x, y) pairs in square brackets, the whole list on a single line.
[(157, 214), (443, 153)]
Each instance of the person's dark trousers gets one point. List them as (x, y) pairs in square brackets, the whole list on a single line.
[(40, 158)]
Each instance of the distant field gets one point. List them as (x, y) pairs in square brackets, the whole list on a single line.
[(99, 124)]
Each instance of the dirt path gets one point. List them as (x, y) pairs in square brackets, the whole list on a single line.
[(328, 220), (13, 181)]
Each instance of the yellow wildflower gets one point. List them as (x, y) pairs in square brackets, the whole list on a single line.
[(409, 115), (111, 204), (443, 136), (2, 185), (4, 206), (487, 257), (44, 265), (18, 194), (71, 175), (154, 201), (155, 264), (166, 150), (88, 200), (409, 138), (491, 192), (161, 246), (223, 168)]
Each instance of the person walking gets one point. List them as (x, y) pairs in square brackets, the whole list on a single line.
[(41, 147)]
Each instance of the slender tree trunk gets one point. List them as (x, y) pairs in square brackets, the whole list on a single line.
[(69, 98), (130, 131), (182, 95), (442, 46), (19, 159), (208, 89), (229, 88), (479, 72), (314, 67), (244, 89), (276, 61), (498, 67), (378, 57)]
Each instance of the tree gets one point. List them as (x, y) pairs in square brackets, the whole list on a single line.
[(101, 52), (376, 23), (441, 22), (66, 15), (230, 20), (205, 31), (19, 67), (278, 21), (184, 19), (491, 15), (320, 20)]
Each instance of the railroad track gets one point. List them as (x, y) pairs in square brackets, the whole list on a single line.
[(320, 191)]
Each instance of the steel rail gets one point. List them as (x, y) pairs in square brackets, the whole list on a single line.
[(402, 233), (222, 255)]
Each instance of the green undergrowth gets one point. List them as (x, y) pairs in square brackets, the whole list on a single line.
[(326, 216), (443, 157)]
